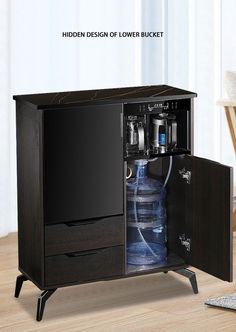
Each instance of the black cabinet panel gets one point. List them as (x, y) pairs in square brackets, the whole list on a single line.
[(83, 163), (84, 266), (30, 194), (209, 216), (84, 235)]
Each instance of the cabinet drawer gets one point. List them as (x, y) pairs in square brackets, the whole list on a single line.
[(84, 266), (84, 235)]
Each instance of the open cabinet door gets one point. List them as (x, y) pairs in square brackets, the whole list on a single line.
[(204, 238)]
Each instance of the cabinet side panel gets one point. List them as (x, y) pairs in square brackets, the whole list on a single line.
[(191, 128), (29, 186)]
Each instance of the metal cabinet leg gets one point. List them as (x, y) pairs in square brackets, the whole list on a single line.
[(19, 282), (41, 302), (191, 276)]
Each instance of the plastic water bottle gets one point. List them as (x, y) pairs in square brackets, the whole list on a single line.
[(146, 216)]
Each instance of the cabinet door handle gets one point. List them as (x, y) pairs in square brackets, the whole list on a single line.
[(80, 223), (84, 253), (121, 125)]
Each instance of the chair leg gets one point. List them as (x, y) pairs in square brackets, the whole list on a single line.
[(19, 282), (41, 302), (191, 276)]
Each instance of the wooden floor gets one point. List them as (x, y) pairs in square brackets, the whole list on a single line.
[(149, 303)]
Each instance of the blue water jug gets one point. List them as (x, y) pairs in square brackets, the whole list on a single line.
[(146, 218)]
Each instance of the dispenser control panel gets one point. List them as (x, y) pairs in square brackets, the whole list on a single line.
[(154, 107)]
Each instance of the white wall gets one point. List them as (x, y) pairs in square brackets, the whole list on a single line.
[(42, 61), (201, 47), (5, 223), (154, 18), (228, 63), (177, 55), (192, 65), (108, 62)]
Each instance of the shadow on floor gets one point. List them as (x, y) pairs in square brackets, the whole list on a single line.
[(107, 295)]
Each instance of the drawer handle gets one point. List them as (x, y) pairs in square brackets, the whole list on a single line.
[(80, 223), (84, 253)]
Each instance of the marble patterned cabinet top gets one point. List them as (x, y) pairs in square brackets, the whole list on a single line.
[(112, 96)]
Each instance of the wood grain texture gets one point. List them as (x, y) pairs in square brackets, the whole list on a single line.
[(209, 216), (84, 235), (153, 303), (202, 212), (84, 266), (29, 184)]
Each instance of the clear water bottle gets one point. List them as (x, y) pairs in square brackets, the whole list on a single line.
[(146, 217)]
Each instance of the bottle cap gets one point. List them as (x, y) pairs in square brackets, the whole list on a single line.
[(141, 162)]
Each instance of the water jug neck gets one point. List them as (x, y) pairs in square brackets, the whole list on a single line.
[(141, 171)]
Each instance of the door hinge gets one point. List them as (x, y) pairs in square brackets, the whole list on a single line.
[(185, 175), (185, 242)]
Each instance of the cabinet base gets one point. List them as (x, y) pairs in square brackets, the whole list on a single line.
[(41, 302), (46, 294), (191, 276), (41, 299), (19, 282)]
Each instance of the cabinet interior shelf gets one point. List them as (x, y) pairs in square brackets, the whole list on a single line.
[(173, 261), (175, 152)]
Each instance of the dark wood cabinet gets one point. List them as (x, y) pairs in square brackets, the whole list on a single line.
[(84, 266), (84, 235), (72, 164)]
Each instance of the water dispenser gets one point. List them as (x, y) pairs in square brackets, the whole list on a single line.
[(135, 135)]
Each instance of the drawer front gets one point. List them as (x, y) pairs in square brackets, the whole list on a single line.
[(84, 235), (84, 266)]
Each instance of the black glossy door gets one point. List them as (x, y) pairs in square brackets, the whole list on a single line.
[(83, 163), (205, 216)]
